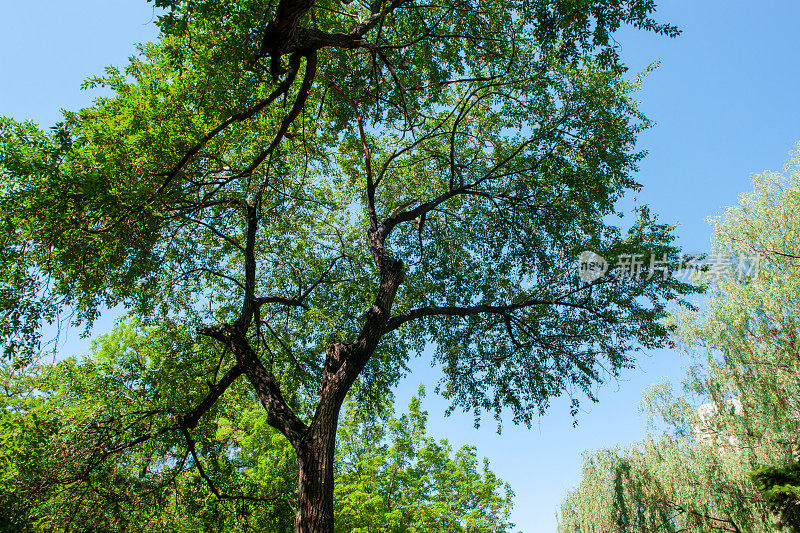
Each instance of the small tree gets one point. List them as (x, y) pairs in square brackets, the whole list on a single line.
[(323, 188)]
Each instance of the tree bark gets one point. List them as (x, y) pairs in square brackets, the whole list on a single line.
[(315, 480)]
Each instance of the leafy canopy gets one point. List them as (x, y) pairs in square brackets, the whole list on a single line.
[(271, 166)]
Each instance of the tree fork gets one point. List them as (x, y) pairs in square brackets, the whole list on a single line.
[(343, 364)]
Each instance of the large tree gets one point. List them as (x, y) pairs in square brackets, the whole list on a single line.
[(699, 475), (323, 188)]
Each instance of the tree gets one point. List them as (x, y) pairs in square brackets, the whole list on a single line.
[(414, 484), (390, 475), (698, 476), (322, 188), (780, 487)]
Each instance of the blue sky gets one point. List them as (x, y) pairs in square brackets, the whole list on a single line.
[(725, 102)]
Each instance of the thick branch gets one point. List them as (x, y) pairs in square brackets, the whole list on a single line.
[(279, 414), (302, 39), (414, 314), (281, 29), (344, 362), (248, 304), (294, 62), (299, 103)]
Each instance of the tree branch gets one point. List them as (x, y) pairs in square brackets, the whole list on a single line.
[(398, 320), (294, 63), (373, 217), (222, 496), (279, 414), (297, 107), (190, 419)]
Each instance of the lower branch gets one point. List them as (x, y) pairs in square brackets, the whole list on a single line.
[(279, 414)]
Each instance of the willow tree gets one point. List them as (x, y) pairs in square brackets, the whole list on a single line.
[(322, 188), (730, 465)]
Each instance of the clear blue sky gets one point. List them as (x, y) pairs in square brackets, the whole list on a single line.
[(725, 101)]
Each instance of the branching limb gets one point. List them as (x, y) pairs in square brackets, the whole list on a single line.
[(422, 312), (297, 107), (189, 420), (282, 88), (279, 414)]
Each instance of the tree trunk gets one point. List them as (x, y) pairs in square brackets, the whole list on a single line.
[(315, 481)]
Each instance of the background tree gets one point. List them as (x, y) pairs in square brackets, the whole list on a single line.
[(780, 487), (391, 477), (58, 420), (322, 188), (698, 475)]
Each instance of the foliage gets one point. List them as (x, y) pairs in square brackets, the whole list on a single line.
[(55, 424), (394, 478), (696, 476), (96, 217), (320, 189), (780, 487)]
